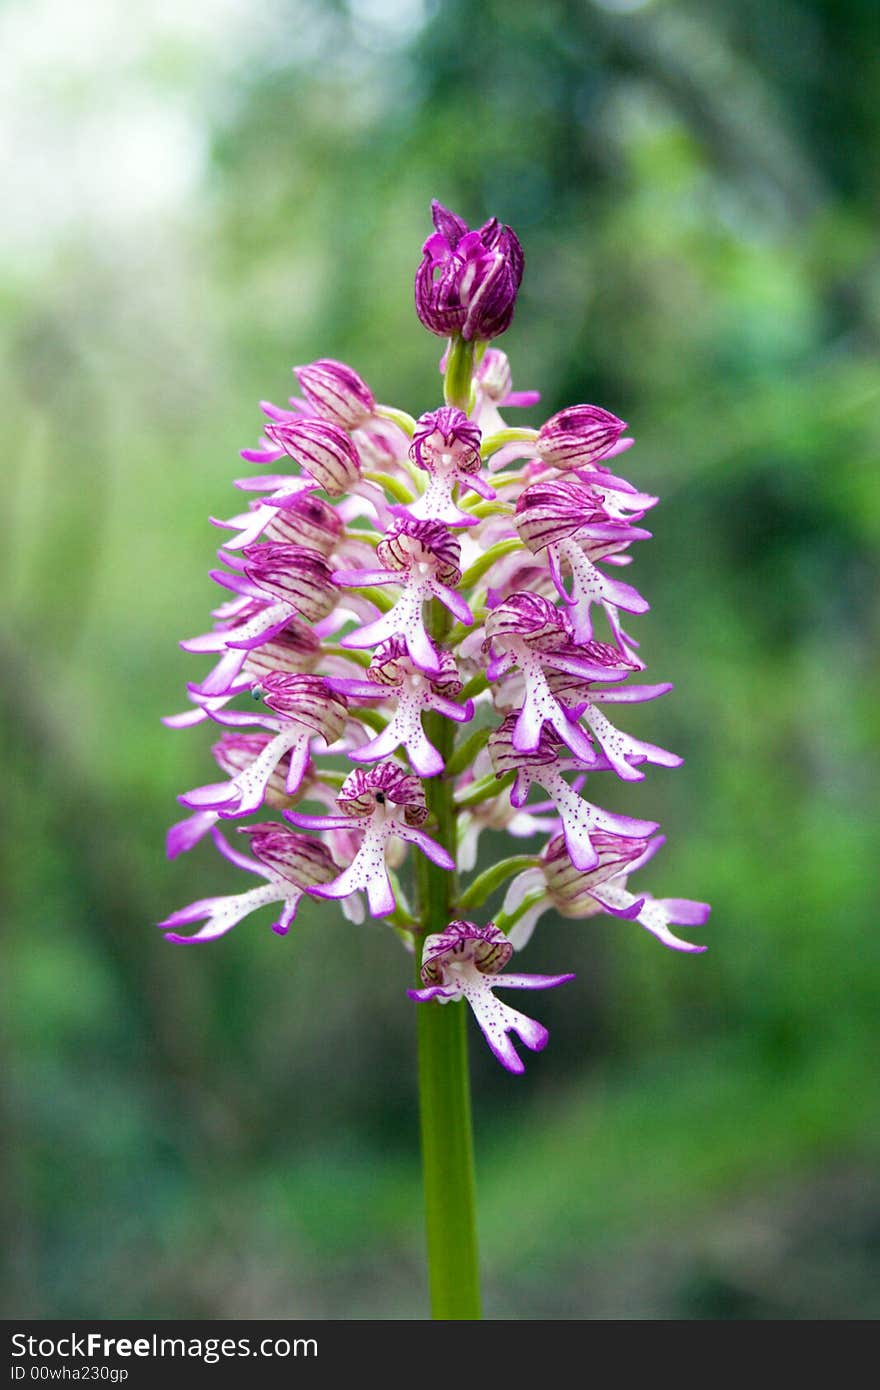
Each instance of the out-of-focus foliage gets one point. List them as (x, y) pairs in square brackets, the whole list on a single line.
[(204, 195)]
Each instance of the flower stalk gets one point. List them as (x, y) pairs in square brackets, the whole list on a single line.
[(444, 1083), (459, 373)]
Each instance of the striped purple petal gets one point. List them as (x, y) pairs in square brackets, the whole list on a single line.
[(571, 888), (445, 441), (487, 947), (550, 511), (307, 700), (506, 757), (322, 449), (578, 436), (292, 574), (467, 281), (300, 858), (391, 665), (337, 392)]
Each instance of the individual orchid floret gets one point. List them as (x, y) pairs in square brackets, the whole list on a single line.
[(279, 584), (581, 820), (495, 383), (446, 444), (233, 753), (606, 888), (323, 449), (393, 675), (578, 436), (623, 751), (569, 522), (467, 281), (422, 557), (527, 631), (291, 864), (494, 378), (336, 392), (556, 884), (300, 519), (463, 962), (579, 895), (307, 707), (382, 802), (494, 392), (296, 581), (295, 649)]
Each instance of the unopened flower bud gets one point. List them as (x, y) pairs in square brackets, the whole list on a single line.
[(467, 281)]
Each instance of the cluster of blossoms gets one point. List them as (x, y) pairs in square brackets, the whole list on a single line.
[(395, 579)]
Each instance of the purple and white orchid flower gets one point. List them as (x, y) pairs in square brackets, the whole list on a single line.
[(581, 820), (393, 674), (464, 962), (334, 390), (291, 864), (578, 436), (446, 444), (305, 707), (571, 525), (382, 802), (527, 631), (558, 884), (421, 557), (396, 653)]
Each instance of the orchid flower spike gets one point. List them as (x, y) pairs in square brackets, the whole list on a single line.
[(422, 624)]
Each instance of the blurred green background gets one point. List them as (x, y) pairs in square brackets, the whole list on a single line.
[(200, 195)]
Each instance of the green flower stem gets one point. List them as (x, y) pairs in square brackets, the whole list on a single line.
[(506, 923), (475, 686), (376, 596), (460, 632), (484, 509), (492, 879), (487, 560), (480, 791), (397, 417), (467, 751), (494, 442), (444, 1083), (459, 372), (397, 489), (371, 717), (350, 653)]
